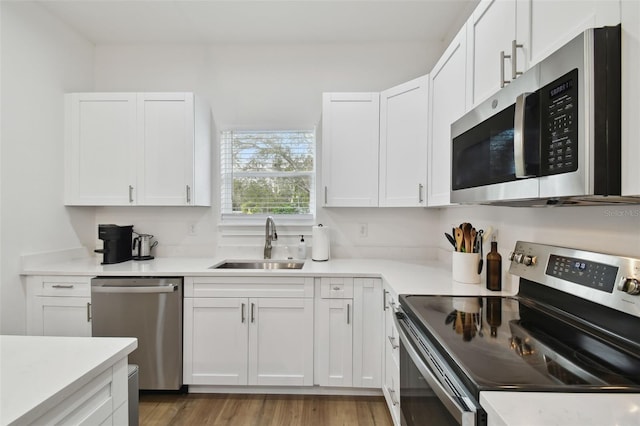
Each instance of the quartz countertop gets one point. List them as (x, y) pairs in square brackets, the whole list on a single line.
[(38, 372), (561, 409), (403, 277)]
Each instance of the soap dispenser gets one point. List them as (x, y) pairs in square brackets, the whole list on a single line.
[(302, 248)]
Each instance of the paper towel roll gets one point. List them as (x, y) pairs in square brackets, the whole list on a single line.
[(320, 243)]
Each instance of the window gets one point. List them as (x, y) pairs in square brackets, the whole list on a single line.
[(268, 173)]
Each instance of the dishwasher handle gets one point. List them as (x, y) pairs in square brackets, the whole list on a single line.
[(134, 289)]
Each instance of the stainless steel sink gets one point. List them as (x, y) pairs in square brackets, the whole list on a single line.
[(259, 264)]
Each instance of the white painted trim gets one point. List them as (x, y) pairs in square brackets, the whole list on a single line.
[(286, 390)]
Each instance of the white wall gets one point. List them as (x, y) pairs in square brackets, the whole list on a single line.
[(274, 87), (607, 229), (41, 59)]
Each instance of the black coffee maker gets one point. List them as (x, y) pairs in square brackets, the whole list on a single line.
[(117, 243)]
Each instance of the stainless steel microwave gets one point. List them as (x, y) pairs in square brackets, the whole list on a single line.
[(550, 137)]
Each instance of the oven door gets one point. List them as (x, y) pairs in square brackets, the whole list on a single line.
[(430, 393)]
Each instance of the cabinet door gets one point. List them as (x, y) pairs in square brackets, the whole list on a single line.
[(367, 332), (281, 341), (215, 341), (334, 342), (448, 96), (100, 148), (60, 316), (165, 148), (403, 144), (545, 26), (350, 135), (490, 30)]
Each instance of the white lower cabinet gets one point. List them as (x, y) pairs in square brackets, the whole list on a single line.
[(348, 332), (102, 401), (391, 385), (59, 306), (263, 339)]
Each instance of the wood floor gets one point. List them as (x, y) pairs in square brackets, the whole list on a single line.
[(262, 410)]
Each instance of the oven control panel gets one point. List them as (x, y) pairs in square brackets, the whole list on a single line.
[(606, 279), (584, 272)]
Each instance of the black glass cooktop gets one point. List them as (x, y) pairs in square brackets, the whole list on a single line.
[(508, 343)]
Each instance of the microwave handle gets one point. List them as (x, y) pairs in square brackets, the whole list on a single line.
[(518, 137)]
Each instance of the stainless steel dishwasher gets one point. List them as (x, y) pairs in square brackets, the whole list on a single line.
[(149, 309)]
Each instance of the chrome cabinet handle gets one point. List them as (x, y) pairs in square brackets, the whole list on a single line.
[(503, 82), (392, 340), (514, 59), (384, 300), (325, 195), (130, 194), (392, 394), (88, 311), (420, 199), (188, 194), (518, 137), (252, 313), (242, 313), (62, 286), (348, 313), (336, 288)]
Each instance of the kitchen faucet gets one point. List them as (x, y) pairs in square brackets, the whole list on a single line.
[(270, 235)]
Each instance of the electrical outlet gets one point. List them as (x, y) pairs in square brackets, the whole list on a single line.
[(363, 230)]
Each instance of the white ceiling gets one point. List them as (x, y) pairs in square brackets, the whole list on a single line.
[(265, 21)]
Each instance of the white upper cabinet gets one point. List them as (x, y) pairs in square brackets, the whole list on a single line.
[(100, 162), (403, 144), (448, 94), (137, 149), (505, 38), (350, 135), (490, 31), (545, 26)]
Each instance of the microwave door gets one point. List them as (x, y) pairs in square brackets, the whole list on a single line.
[(483, 162)]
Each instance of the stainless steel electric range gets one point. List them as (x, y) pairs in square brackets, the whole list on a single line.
[(574, 326)]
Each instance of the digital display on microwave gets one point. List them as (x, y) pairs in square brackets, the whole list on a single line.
[(561, 88)]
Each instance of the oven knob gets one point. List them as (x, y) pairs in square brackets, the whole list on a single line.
[(511, 256), (530, 260), (518, 258), (629, 286)]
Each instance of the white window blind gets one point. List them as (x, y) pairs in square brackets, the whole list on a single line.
[(268, 173)]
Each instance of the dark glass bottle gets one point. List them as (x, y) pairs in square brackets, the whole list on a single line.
[(494, 314), (494, 267)]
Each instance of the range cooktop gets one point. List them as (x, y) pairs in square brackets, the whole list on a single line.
[(573, 327)]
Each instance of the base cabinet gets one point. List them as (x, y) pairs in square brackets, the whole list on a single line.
[(59, 306), (262, 340), (348, 332), (391, 384)]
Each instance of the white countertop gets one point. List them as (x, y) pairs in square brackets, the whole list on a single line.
[(566, 409), (429, 277), (37, 373)]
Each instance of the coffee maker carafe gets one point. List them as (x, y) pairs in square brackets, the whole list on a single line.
[(142, 243), (117, 243)]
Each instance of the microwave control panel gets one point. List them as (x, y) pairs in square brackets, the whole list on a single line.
[(559, 125)]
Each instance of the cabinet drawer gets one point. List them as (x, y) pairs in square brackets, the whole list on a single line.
[(239, 286), (60, 286), (336, 288)]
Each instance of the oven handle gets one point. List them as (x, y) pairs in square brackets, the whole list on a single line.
[(462, 415), (518, 137)]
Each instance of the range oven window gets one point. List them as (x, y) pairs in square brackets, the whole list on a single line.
[(418, 403)]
